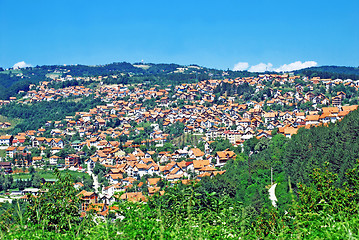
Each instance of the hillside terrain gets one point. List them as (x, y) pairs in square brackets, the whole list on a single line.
[(14, 80), (147, 151), (331, 72)]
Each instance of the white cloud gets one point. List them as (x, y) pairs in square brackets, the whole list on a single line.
[(241, 66), (21, 64), (262, 67), (296, 66)]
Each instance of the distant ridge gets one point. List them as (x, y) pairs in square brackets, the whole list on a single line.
[(331, 72), (13, 81)]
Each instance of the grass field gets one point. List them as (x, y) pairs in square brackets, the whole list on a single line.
[(187, 139), (16, 71), (145, 67), (12, 121), (50, 174), (53, 75), (2, 153)]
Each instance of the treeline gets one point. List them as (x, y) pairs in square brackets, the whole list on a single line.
[(317, 176), (112, 69), (337, 144), (242, 74), (65, 84), (231, 89), (162, 79), (332, 72), (335, 147), (87, 71), (10, 85), (12, 81), (36, 115)]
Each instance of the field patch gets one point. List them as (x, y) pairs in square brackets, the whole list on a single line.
[(50, 175), (12, 121)]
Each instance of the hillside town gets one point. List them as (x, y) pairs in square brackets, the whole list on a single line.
[(146, 137)]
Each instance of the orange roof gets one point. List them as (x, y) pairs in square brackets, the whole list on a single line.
[(197, 152), (85, 193), (5, 137), (153, 181), (290, 130), (312, 118), (133, 196), (97, 207), (208, 169), (226, 154), (350, 108), (116, 176), (330, 109), (152, 190), (198, 164)]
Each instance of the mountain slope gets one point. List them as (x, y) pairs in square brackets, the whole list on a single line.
[(331, 72)]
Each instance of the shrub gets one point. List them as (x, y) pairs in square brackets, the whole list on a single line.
[(56, 208)]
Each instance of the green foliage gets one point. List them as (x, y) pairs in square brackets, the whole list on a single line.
[(11, 84), (322, 194), (38, 114), (221, 144), (337, 144), (36, 180), (175, 130), (183, 209), (99, 168), (230, 89), (188, 211), (5, 182), (57, 206), (331, 72), (249, 145)]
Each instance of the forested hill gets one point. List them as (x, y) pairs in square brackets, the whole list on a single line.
[(335, 146), (14, 80), (331, 72)]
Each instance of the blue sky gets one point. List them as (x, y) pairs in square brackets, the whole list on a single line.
[(216, 34)]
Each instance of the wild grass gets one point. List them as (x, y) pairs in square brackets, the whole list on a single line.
[(187, 139), (47, 174), (143, 223), (184, 212), (12, 121)]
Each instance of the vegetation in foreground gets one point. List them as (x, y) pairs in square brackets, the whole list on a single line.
[(320, 210), (319, 205), (323, 204)]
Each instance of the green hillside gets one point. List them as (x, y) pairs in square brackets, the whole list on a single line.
[(331, 72)]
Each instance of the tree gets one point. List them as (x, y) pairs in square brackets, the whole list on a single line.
[(31, 170), (99, 168), (88, 183), (85, 149), (36, 180), (7, 182), (220, 145), (20, 184), (57, 207)]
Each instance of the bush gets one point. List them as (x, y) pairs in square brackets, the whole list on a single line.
[(57, 206)]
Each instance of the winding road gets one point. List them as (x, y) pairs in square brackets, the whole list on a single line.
[(95, 181), (272, 196)]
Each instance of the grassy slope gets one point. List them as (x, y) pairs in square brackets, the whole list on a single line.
[(187, 139), (49, 175), (12, 121)]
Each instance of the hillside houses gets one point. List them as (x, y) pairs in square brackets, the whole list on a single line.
[(165, 133)]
